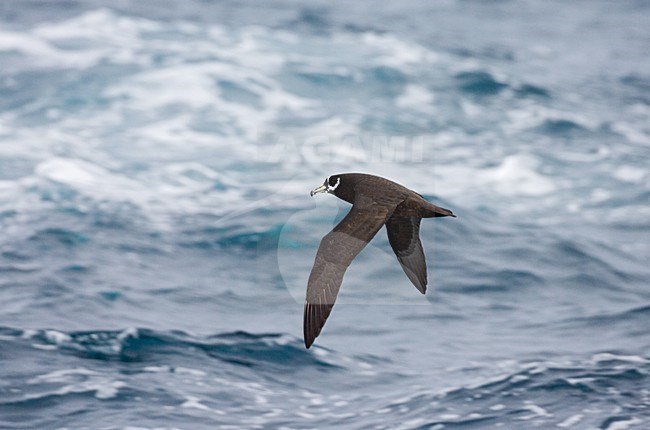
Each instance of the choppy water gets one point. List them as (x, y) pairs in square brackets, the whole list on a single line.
[(157, 232)]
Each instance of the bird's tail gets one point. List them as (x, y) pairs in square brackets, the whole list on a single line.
[(431, 211)]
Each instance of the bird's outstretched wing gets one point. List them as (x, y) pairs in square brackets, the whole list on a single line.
[(404, 238), (335, 253)]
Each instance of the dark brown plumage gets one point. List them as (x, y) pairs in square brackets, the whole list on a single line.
[(375, 202)]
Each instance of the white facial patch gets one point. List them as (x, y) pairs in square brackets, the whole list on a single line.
[(332, 188)]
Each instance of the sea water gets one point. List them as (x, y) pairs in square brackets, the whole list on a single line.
[(157, 232)]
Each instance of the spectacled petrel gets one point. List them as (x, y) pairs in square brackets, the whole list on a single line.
[(375, 201)]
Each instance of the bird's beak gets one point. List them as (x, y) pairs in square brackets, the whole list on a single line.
[(321, 189)]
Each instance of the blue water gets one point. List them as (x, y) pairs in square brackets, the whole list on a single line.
[(157, 231)]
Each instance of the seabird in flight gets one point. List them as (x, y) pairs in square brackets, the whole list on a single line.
[(375, 202)]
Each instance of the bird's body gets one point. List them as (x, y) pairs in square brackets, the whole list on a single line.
[(375, 202)]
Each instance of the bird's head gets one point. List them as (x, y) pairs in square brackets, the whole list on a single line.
[(342, 186), (330, 185)]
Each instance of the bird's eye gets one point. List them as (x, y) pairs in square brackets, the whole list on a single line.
[(331, 181)]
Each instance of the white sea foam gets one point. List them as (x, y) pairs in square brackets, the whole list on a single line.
[(624, 424), (100, 25), (517, 175), (537, 411), (248, 59), (63, 375), (57, 337), (630, 174), (31, 46), (157, 369), (631, 133), (106, 35), (607, 356), (416, 97), (398, 53), (571, 421), (80, 380), (149, 428), (188, 371), (193, 402)]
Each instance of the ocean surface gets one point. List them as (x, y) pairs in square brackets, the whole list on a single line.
[(156, 229)]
